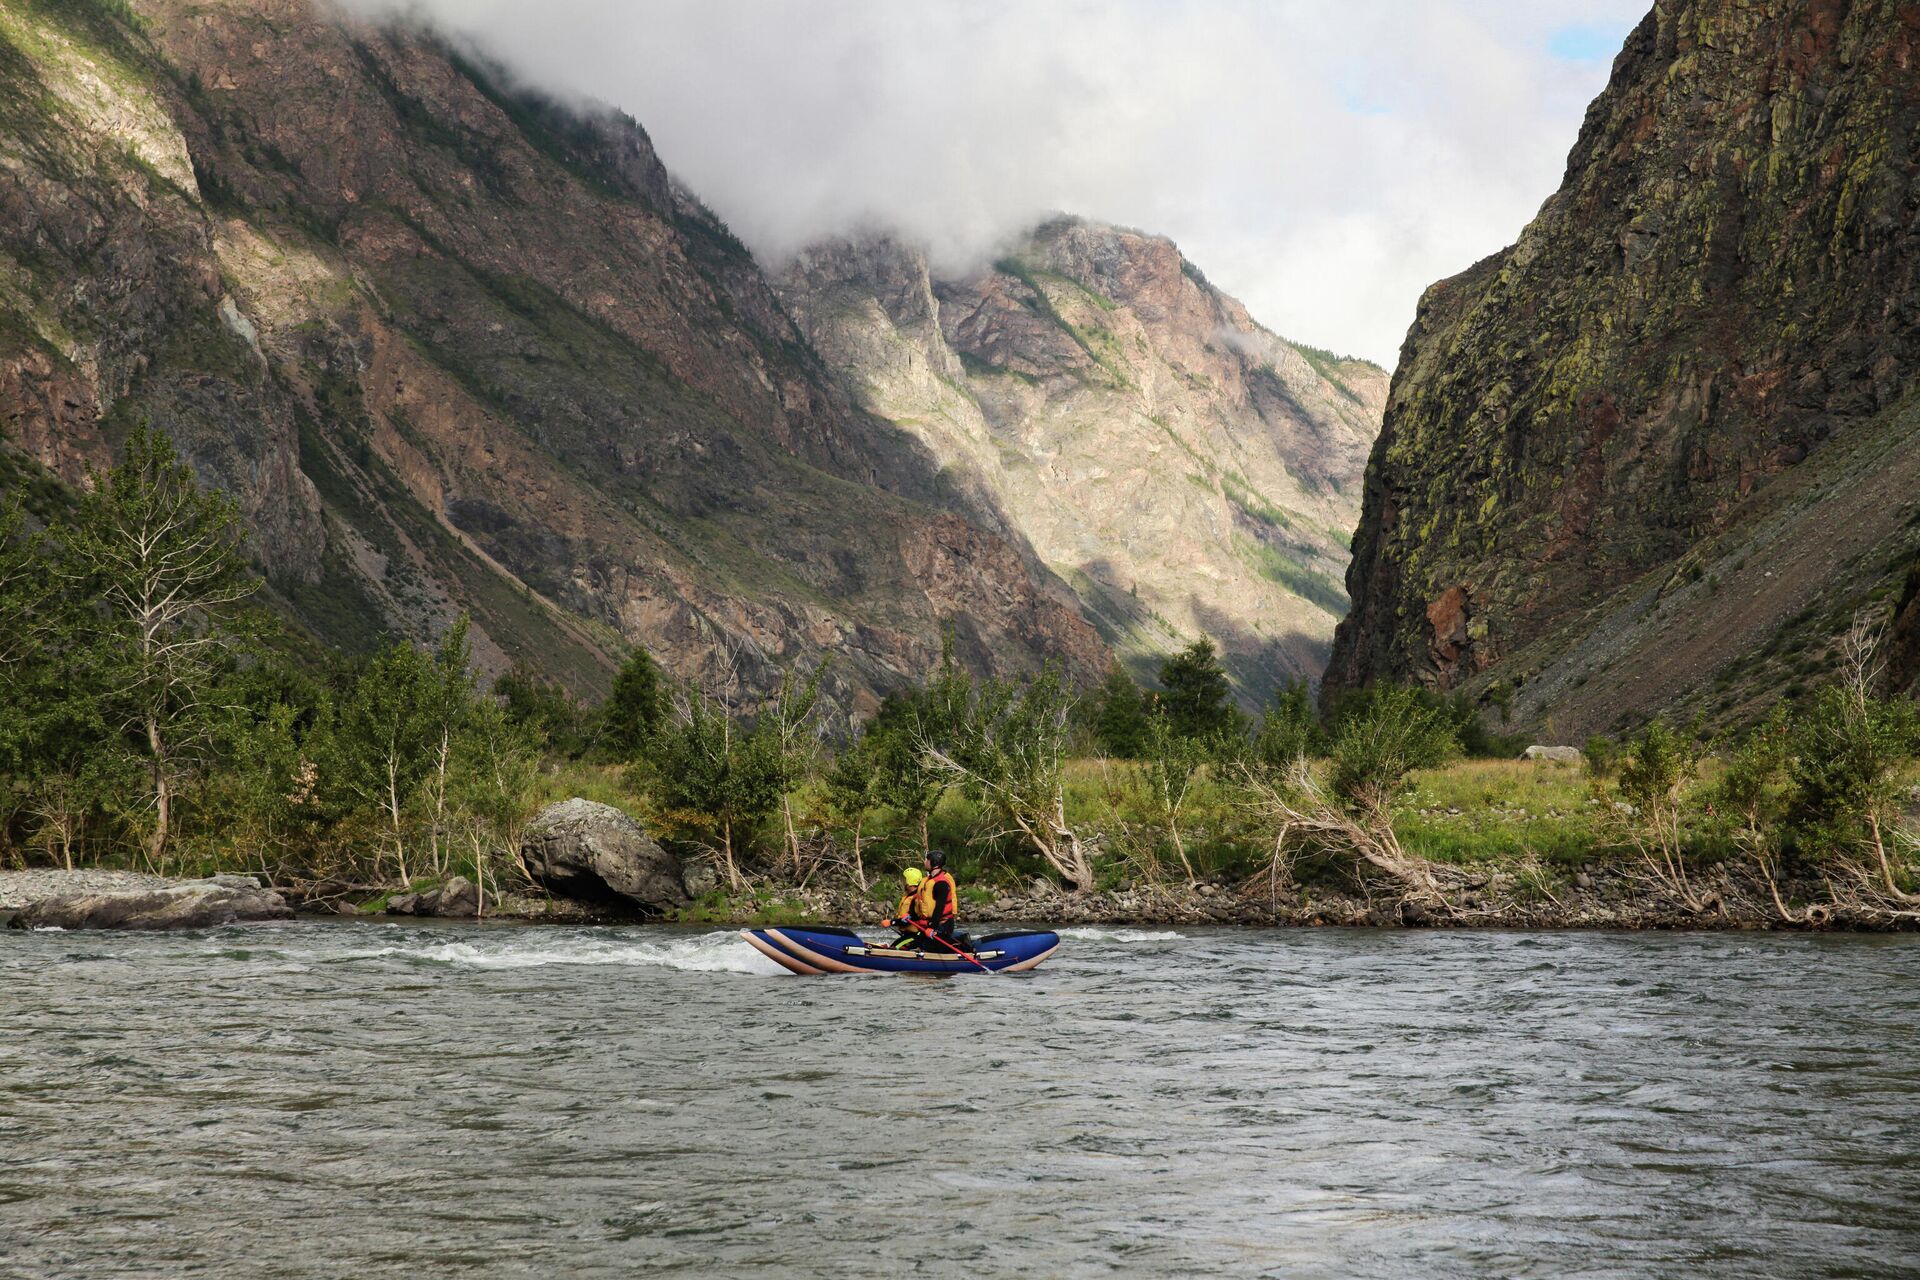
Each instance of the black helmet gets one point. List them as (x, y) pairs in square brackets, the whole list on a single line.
[(936, 859)]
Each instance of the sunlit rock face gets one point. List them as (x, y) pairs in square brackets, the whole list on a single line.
[(1655, 454), (1184, 470)]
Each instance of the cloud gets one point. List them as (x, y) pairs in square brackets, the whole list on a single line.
[(1323, 163)]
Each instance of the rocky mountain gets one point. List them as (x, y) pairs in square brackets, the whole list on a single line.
[(1184, 470), (456, 348), (1657, 454)]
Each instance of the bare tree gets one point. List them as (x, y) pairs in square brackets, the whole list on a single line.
[(161, 556), (1304, 810)]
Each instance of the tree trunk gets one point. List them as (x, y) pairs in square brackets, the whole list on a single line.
[(924, 814), (162, 798), (439, 802), (1894, 891), (393, 815), (1179, 847), (859, 866), (793, 839), (726, 852)]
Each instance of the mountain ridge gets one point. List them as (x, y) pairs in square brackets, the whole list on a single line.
[(1593, 436), (456, 350), (1139, 428)]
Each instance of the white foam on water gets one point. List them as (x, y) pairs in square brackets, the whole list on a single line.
[(1094, 933), (720, 952)]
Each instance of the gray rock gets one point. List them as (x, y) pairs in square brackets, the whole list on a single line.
[(457, 897), (701, 879), (1560, 755), (594, 852), (187, 904)]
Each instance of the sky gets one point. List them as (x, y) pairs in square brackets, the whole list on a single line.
[(1322, 160)]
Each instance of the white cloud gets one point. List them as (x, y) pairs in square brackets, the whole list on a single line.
[(1323, 162)]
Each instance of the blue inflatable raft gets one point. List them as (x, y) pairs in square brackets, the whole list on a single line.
[(815, 951)]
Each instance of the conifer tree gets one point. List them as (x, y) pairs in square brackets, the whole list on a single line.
[(1122, 717), (1195, 701), (636, 709)]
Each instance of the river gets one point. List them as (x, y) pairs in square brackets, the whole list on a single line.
[(357, 1099)]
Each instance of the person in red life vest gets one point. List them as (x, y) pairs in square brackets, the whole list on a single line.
[(939, 898)]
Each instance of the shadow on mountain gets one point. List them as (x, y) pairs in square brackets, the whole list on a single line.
[(1260, 664)]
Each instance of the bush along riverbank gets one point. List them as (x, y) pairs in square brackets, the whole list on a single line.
[(195, 738)]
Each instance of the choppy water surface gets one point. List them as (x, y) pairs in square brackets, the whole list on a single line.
[(406, 1100)]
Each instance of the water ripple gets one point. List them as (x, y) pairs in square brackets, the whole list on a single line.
[(367, 1099)]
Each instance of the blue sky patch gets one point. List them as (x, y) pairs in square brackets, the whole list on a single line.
[(1587, 42)]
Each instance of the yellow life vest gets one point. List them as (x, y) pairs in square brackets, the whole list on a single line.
[(925, 907)]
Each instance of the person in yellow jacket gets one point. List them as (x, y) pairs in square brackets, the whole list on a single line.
[(910, 911)]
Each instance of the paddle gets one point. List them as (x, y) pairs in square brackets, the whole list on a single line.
[(968, 955)]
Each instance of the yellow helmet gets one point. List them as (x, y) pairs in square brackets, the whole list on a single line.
[(913, 876)]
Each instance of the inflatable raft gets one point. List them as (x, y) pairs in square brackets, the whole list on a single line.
[(815, 951)]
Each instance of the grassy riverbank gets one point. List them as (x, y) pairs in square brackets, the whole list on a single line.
[(1521, 844)]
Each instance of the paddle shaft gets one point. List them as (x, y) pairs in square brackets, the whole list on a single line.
[(968, 955)]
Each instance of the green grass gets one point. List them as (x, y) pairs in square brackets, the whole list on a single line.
[(1498, 810)]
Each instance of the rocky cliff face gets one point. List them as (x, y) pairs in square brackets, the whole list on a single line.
[(1656, 453), (1186, 471), (455, 348)]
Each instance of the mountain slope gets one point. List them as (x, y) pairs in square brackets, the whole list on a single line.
[(1184, 470), (455, 348), (1647, 457)]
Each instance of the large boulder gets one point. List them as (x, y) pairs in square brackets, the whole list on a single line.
[(594, 852), (187, 904), (457, 897), (1558, 755)]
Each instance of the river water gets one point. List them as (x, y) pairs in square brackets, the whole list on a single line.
[(409, 1100)]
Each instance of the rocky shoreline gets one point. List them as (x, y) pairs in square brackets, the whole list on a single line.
[(589, 863), (24, 895), (1605, 904)]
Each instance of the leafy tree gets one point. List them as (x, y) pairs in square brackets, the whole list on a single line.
[(159, 556), (388, 740), (716, 775), (854, 786), (450, 706), (792, 734), (1847, 754), (1380, 736), (912, 725), (1121, 715), (1380, 742), (1196, 701), (1289, 730), (27, 600), (1600, 756), (495, 777), (1008, 753), (1173, 764), (543, 708), (636, 710), (265, 796), (1749, 797), (1655, 768)]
